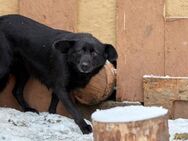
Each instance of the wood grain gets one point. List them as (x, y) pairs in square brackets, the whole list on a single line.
[(176, 47), (176, 8), (8, 7), (154, 129), (61, 14), (171, 93), (140, 43)]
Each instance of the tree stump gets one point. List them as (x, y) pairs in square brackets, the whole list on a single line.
[(131, 123)]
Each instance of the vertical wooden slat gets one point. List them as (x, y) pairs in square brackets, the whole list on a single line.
[(176, 47), (140, 42), (98, 17), (176, 8), (60, 14), (8, 7)]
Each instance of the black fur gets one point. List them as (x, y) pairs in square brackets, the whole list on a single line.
[(61, 60)]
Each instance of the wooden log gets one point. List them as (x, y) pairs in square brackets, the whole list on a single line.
[(99, 88), (126, 124)]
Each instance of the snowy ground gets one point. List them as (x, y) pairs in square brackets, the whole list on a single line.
[(19, 126)]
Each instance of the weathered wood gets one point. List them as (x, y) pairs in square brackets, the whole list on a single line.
[(60, 14), (154, 129), (98, 17), (8, 7), (176, 44), (6, 97), (39, 97), (36, 94), (171, 93), (99, 88), (176, 8), (140, 43)]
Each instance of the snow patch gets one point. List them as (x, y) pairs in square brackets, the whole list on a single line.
[(163, 77), (177, 126), (19, 126), (128, 113)]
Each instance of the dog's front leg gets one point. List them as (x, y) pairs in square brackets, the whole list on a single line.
[(53, 104), (65, 98)]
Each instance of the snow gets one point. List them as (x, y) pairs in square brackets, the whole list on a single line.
[(177, 126), (163, 77), (19, 126), (136, 113)]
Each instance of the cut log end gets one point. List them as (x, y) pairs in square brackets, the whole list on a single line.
[(99, 88), (151, 129)]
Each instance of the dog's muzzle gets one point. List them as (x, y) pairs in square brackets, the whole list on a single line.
[(85, 67)]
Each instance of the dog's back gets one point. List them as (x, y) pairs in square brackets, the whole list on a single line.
[(24, 40)]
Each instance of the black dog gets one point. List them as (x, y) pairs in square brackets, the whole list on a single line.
[(61, 60)]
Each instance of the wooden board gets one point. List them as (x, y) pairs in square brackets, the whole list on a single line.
[(8, 7), (171, 93), (36, 94), (140, 43), (98, 17), (176, 8), (60, 14), (176, 47)]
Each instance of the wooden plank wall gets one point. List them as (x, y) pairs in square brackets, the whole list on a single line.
[(140, 43), (8, 6), (60, 14), (176, 47), (150, 43), (146, 42)]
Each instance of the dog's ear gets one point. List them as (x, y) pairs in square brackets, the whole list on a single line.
[(63, 45), (110, 52)]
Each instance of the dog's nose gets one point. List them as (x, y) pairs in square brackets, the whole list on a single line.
[(84, 66)]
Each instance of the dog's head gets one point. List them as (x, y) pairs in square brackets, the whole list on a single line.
[(85, 53)]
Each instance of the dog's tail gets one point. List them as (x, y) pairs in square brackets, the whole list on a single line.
[(3, 81)]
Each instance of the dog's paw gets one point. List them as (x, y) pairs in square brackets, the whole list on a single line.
[(52, 111), (84, 127), (28, 109)]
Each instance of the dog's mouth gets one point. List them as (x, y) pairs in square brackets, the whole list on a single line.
[(85, 71)]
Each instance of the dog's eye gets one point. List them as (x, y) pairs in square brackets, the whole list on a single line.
[(91, 50), (84, 49)]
